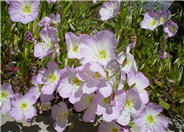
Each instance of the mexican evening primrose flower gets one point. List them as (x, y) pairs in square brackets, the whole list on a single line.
[(171, 28), (150, 21), (50, 78), (23, 107), (138, 81), (110, 107), (127, 61), (49, 45), (131, 108), (86, 103), (164, 56), (73, 45), (38, 83), (71, 85), (150, 119), (93, 74), (164, 15), (6, 93), (60, 114), (109, 127), (52, 21), (23, 11), (109, 10), (29, 36), (99, 48), (111, 70)]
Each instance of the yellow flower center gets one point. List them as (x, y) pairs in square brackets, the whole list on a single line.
[(162, 19), (150, 119), (114, 129), (4, 95), (106, 100), (24, 105), (50, 44), (77, 81), (27, 8), (97, 75), (128, 61), (90, 99), (153, 22), (128, 103), (64, 115), (102, 54), (53, 78), (173, 29), (75, 49)]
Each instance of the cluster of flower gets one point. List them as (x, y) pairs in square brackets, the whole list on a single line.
[(106, 84), (97, 87), (48, 35), (152, 20), (27, 11)]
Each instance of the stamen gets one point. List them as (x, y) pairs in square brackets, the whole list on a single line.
[(24, 106), (102, 54), (53, 78), (27, 9)]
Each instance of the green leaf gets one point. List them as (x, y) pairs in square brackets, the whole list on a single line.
[(164, 104), (159, 83), (131, 123), (66, 8), (93, 7)]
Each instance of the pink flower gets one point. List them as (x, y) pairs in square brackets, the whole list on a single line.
[(110, 107), (94, 75), (44, 98), (86, 104), (71, 85), (52, 21), (60, 114), (49, 46), (29, 36), (151, 120), (109, 10), (164, 16), (6, 93), (164, 56), (111, 69), (109, 127), (38, 84), (50, 78), (23, 11), (171, 28), (140, 82), (122, 81), (132, 107), (99, 48), (127, 61), (151, 20), (73, 45), (23, 107)]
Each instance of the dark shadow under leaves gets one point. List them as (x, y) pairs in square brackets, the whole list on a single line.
[(13, 126)]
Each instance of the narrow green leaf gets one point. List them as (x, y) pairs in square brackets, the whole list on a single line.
[(164, 104)]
